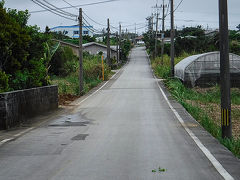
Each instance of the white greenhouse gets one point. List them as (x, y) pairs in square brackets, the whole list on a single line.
[(204, 69)]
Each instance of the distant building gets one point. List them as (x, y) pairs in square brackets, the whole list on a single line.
[(95, 48), (92, 47), (211, 33), (139, 40), (73, 31)]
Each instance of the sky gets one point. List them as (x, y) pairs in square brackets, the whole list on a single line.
[(129, 12)]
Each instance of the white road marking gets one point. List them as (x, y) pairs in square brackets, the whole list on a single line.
[(207, 153), (5, 140), (100, 87)]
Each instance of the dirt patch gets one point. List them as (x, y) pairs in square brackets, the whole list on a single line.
[(214, 112), (66, 99)]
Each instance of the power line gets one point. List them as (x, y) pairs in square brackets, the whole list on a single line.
[(132, 25), (94, 20), (52, 11), (69, 7), (138, 28), (70, 4), (176, 7), (57, 9)]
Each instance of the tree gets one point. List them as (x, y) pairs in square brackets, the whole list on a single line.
[(24, 59), (13, 45)]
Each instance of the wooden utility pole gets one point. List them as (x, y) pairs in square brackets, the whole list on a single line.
[(163, 29), (80, 53), (225, 71), (156, 36), (120, 40), (135, 34), (108, 44), (117, 37), (172, 38)]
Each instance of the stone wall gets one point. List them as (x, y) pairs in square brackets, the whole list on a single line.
[(18, 106)]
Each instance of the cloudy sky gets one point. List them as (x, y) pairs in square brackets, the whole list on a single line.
[(128, 12)]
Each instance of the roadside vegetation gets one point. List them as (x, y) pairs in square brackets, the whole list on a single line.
[(65, 73), (29, 58), (202, 103)]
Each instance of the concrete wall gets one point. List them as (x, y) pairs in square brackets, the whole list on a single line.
[(18, 106)]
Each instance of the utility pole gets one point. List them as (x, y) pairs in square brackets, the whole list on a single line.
[(120, 40), (135, 34), (80, 53), (152, 24), (225, 71), (163, 29), (156, 33), (117, 38), (108, 44), (172, 38)]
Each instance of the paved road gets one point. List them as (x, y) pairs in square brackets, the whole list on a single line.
[(123, 132)]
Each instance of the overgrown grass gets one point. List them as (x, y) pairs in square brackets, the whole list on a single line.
[(164, 71), (192, 98), (92, 69)]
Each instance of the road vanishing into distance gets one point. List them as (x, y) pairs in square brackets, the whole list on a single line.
[(124, 131)]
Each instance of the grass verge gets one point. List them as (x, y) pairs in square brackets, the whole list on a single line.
[(203, 104), (68, 86)]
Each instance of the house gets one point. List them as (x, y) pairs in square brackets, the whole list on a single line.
[(92, 47), (211, 33), (139, 40), (96, 48), (73, 31)]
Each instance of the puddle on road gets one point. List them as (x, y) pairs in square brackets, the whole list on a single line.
[(80, 137), (71, 120)]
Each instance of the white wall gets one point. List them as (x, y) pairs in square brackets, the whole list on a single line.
[(69, 30)]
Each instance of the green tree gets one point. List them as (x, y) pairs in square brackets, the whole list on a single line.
[(13, 45)]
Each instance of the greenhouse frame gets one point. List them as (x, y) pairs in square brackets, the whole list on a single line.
[(204, 69)]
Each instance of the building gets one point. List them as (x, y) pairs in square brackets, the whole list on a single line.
[(92, 47), (139, 40), (211, 33), (73, 31), (95, 48)]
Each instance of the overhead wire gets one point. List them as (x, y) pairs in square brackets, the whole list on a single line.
[(69, 7), (70, 4), (94, 20), (52, 11), (58, 9), (176, 7)]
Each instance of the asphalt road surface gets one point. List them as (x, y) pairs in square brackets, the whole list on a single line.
[(125, 131)]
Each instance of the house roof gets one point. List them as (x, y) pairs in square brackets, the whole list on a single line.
[(85, 45), (97, 44), (139, 38)]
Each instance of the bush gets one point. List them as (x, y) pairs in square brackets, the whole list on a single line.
[(3, 82), (63, 62)]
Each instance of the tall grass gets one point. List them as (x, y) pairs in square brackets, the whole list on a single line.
[(92, 73), (164, 70)]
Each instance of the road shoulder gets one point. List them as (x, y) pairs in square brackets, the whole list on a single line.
[(225, 157)]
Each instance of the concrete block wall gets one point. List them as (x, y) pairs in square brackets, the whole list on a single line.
[(18, 106)]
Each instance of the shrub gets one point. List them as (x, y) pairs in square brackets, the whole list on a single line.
[(3, 82)]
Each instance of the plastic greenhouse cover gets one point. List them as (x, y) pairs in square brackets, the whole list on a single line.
[(194, 67)]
